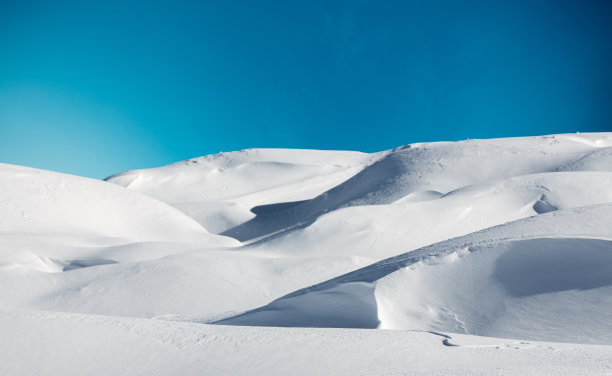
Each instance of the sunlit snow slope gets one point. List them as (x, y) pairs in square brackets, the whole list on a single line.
[(219, 190), (508, 238)]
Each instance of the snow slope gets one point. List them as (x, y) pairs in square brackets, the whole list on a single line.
[(43, 202), (429, 170), (51, 221), (547, 277), (73, 344), (379, 231), (219, 190), (503, 238)]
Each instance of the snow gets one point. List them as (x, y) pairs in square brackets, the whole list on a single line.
[(252, 262), (44, 202), (51, 343), (545, 277), (219, 190)]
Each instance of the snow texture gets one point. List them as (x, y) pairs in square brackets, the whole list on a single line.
[(478, 257)]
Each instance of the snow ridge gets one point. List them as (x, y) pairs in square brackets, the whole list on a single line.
[(501, 238)]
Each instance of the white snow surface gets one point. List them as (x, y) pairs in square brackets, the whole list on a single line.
[(477, 257)]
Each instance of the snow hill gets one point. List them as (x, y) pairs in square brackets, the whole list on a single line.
[(503, 238), (547, 277), (220, 190)]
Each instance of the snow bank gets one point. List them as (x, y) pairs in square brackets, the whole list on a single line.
[(43, 202), (543, 278)]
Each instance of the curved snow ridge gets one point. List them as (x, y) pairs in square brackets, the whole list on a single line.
[(218, 191), (224, 160), (446, 166), (230, 176), (554, 190), (436, 167), (596, 160), (558, 289), (386, 230), (500, 281), (34, 201)]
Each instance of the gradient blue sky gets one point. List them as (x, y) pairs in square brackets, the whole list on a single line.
[(92, 88)]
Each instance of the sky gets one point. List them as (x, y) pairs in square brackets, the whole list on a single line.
[(96, 87)]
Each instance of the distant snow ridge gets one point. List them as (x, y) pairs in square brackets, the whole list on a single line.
[(505, 238), (420, 170), (219, 190)]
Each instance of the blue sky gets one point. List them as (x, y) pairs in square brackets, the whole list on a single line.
[(92, 88)]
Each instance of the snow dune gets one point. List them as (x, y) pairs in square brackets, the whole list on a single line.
[(219, 190), (51, 221), (378, 231), (508, 238), (542, 278), (427, 170), (43, 202)]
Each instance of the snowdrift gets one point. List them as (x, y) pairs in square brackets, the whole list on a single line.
[(103, 345), (53, 222), (425, 171), (43, 202), (542, 278), (219, 190), (504, 238), (379, 231)]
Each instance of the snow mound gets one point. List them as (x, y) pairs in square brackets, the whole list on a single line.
[(380, 231), (558, 289), (544, 278), (422, 169), (219, 190), (507, 237), (43, 202), (53, 223)]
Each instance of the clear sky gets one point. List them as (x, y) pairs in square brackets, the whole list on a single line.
[(97, 87)]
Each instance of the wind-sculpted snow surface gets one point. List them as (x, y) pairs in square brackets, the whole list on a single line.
[(262, 177), (102, 345), (545, 278), (43, 202), (219, 190), (503, 238), (53, 222), (428, 169), (412, 222)]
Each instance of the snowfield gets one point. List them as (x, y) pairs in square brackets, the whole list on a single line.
[(479, 257)]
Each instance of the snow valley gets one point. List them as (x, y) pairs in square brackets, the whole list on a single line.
[(477, 257)]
